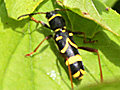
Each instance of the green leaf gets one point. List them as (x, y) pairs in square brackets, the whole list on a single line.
[(46, 69), (104, 86), (98, 15), (15, 8), (109, 3)]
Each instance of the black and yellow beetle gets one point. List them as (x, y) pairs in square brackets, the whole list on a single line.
[(66, 44)]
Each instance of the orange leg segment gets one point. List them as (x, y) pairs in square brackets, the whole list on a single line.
[(48, 37), (94, 50)]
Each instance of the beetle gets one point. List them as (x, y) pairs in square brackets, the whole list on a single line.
[(64, 40)]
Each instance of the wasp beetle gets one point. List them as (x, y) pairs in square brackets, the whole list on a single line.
[(64, 40)]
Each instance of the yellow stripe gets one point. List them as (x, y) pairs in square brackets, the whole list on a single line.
[(58, 29), (82, 71), (64, 27), (63, 30), (70, 34), (71, 43), (77, 74), (80, 78), (54, 17), (66, 45), (73, 59), (59, 38)]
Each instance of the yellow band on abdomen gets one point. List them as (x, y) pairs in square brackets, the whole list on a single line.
[(73, 59)]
